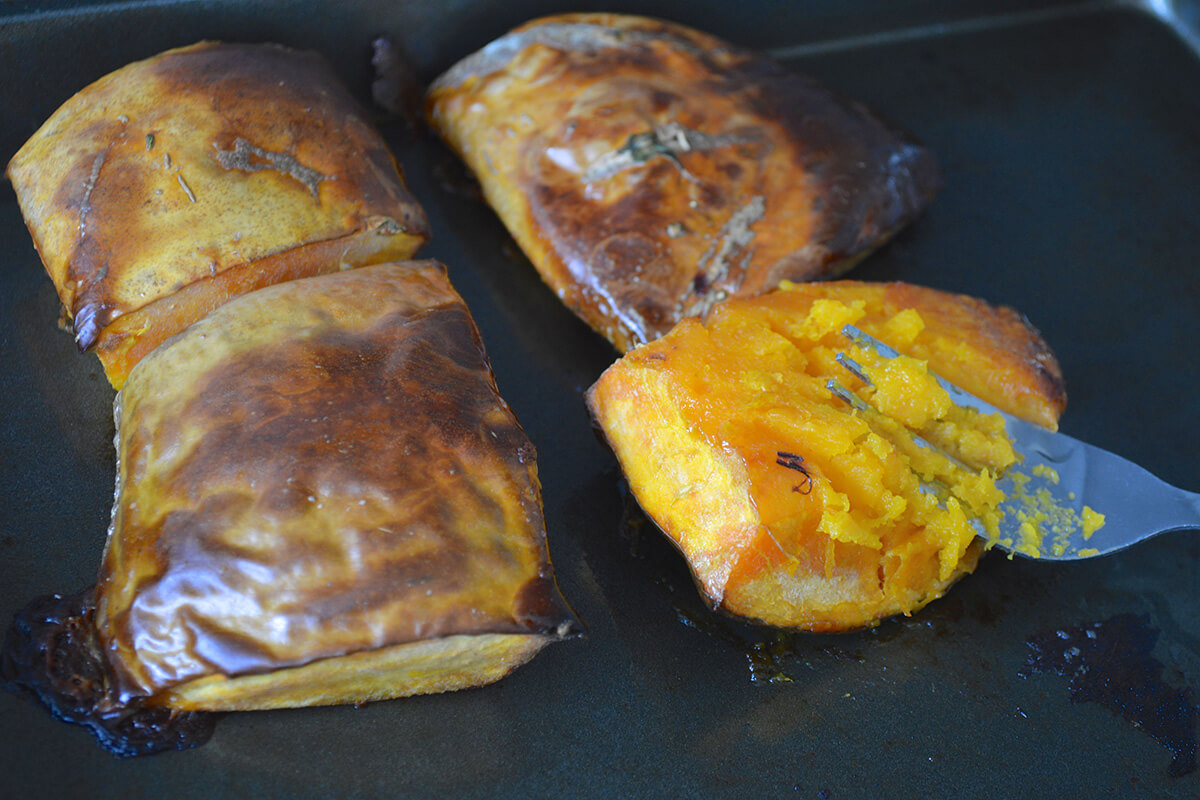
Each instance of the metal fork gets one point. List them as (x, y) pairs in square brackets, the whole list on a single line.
[(1136, 505)]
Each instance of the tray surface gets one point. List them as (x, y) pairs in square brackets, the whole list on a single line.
[(1069, 138)]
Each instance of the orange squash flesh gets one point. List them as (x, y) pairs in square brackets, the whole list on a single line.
[(792, 509)]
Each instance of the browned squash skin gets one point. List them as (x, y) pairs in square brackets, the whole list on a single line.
[(649, 170), (176, 183), (321, 498), (732, 444)]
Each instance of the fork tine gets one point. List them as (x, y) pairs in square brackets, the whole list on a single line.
[(866, 340), (848, 397), (854, 368)]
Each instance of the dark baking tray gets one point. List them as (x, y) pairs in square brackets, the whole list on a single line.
[(1070, 140)]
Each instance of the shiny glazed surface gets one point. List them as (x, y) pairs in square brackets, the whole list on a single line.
[(649, 170), (197, 175), (317, 469)]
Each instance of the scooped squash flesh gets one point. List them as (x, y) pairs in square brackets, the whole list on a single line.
[(790, 507)]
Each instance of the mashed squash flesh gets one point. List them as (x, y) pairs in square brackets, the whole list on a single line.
[(791, 507)]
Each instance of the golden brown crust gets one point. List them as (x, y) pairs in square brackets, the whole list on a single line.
[(426, 667), (185, 169), (319, 468), (706, 466), (649, 170)]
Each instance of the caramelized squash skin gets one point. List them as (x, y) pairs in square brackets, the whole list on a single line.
[(650, 170), (174, 184), (322, 498), (790, 508)]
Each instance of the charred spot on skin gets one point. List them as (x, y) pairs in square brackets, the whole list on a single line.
[(731, 170), (540, 609), (661, 100), (278, 93), (625, 257), (51, 652), (884, 178), (589, 231), (711, 196), (635, 55)]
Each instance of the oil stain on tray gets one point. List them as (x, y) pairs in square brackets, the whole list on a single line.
[(1110, 663)]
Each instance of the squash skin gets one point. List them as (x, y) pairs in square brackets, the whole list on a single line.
[(750, 528), (649, 170), (173, 184), (322, 498)]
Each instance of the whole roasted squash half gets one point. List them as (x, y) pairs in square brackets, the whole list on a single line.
[(321, 498), (174, 184), (649, 170)]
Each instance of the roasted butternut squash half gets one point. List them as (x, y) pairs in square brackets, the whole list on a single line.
[(792, 508), (168, 187), (649, 170), (321, 498)]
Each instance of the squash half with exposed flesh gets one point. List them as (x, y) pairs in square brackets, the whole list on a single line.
[(790, 507)]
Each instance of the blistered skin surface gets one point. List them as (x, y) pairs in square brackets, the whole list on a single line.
[(319, 468), (790, 508), (190, 168), (649, 170)]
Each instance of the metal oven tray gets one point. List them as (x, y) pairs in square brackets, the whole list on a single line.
[(1069, 135)]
